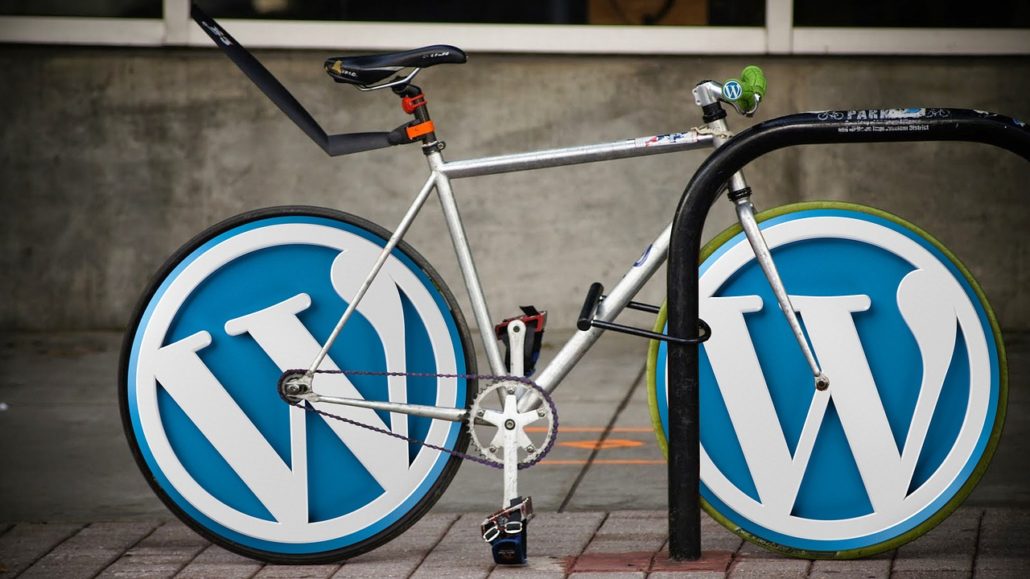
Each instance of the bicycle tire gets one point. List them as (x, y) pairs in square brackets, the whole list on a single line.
[(849, 265), (255, 267)]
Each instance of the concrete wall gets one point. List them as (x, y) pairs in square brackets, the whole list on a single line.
[(111, 158)]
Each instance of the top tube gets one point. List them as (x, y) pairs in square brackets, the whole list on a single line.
[(624, 149)]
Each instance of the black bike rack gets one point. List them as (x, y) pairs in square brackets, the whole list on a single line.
[(830, 127)]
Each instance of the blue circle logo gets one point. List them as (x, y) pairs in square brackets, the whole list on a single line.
[(227, 321), (732, 90), (914, 382)]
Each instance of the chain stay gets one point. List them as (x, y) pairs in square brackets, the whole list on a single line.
[(477, 377)]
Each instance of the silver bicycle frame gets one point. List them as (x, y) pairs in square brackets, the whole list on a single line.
[(552, 374), (440, 181), (713, 134)]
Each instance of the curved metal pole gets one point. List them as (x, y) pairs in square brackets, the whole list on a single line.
[(802, 129)]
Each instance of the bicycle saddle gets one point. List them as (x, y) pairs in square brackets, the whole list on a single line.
[(372, 68)]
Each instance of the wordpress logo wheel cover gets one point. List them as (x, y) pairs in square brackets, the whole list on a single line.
[(256, 300), (915, 383)]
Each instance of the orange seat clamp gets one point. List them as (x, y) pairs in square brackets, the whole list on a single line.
[(409, 104), (420, 129)]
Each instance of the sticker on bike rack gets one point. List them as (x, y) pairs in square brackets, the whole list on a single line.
[(886, 114), (915, 382), (990, 115), (883, 128), (880, 114), (886, 120)]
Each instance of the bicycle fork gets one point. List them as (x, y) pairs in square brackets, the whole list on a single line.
[(746, 217), (708, 96)]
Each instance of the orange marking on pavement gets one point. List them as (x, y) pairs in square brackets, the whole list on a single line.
[(602, 444), (592, 429), (559, 462)]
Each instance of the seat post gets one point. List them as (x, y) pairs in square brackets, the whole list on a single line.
[(413, 101)]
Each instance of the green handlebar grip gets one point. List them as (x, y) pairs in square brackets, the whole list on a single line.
[(753, 78), (752, 82)]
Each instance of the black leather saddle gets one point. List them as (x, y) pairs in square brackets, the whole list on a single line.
[(372, 68)]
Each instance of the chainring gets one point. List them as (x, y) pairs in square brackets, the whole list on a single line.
[(535, 441)]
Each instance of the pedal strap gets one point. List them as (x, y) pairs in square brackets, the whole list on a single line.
[(509, 521)]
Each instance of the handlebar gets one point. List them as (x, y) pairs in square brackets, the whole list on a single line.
[(752, 79), (746, 93)]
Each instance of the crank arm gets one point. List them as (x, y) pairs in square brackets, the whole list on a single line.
[(506, 430)]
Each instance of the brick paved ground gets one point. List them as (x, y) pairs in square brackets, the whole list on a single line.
[(974, 542), (63, 459)]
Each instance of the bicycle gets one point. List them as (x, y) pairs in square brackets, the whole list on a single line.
[(287, 349)]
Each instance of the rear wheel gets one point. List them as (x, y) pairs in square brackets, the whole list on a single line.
[(256, 295), (918, 383)]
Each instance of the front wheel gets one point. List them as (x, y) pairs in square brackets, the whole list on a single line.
[(917, 394), (256, 295)]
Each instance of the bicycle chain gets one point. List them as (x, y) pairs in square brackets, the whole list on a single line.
[(464, 456)]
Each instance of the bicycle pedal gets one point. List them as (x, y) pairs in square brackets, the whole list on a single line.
[(535, 321), (506, 531), (510, 550)]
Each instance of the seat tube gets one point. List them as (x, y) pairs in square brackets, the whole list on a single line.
[(466, 263)]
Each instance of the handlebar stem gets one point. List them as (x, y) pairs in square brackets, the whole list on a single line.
[(707, 92), (708, 95)]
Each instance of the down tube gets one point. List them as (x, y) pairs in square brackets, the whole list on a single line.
[(630, 284)]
